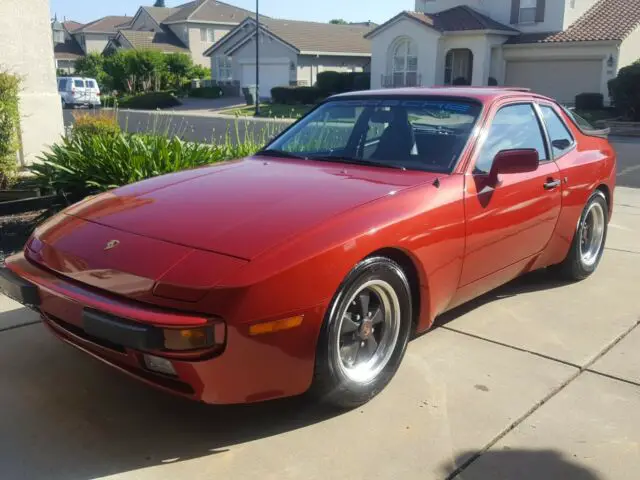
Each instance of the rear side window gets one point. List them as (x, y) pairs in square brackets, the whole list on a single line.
[(78, 83), (561, 138), (513, 127), (62, 85)]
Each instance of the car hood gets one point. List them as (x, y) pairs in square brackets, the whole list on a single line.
[(245, 207)]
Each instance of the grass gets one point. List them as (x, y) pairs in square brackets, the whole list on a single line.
[(270, 110)]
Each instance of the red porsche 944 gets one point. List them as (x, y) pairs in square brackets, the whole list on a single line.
[(307, 266)]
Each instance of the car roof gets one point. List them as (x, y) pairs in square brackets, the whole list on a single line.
[(482, 94)]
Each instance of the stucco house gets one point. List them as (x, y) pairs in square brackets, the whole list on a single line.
[(291, 52), (191, 28), (556, 47), (73, 40)]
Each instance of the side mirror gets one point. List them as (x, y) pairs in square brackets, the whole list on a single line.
[(509, 162)]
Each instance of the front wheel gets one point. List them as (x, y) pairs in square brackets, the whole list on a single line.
[(365, 334), (588, 243)]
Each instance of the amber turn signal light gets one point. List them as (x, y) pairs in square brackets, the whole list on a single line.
[(275, 326), (188, 338)]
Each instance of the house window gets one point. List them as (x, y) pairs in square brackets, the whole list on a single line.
[(528, 11), (223, 70), (207, 35), (404, 66)]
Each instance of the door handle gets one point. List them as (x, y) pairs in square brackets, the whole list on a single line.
[(551, 184)]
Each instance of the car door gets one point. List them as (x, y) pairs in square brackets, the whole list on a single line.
[(513, 219), (79, 91)]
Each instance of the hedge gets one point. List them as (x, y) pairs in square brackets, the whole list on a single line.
[(295, 95), (589, 101), (99, 123), (625, 91), (9, 127), (206, 92), (331, 83), (150, 101)]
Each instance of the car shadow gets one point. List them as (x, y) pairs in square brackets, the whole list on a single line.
[(517, 464), (531, 282)]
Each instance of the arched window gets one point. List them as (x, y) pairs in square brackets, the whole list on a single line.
[(404, 63)]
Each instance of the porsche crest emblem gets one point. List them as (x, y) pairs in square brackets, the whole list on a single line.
[(112, 244)]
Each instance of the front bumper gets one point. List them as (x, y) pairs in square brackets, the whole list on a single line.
[(250, 369)]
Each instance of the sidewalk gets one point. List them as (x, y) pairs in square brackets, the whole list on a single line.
[(537, 380)]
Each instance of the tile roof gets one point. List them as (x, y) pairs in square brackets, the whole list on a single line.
[(109, 24), (160, 14), (70, 25), (69, 50), (606, 20), (457, 19), (164, 41), (304, 37), (321, 37), (208, 11)]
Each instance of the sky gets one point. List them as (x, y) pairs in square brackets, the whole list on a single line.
[(377, 11)]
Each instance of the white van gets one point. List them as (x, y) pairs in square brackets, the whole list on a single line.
[(77, 91)]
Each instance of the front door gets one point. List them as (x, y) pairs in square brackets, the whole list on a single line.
[(514, 219)]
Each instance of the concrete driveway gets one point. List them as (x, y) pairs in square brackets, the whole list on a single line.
[(538, 380)]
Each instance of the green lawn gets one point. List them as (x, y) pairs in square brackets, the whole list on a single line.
[(272, 110)]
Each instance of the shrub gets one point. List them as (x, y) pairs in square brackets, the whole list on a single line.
[(99, 123), (9, 127), (150, 101), (331, 83), (84, 164), (206, 92), (296, 95), (492, 82), (589, 101), (625, 91)]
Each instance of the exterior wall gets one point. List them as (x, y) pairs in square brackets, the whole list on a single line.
[(574, 9), (630, 49), (579, 51), (144, 22), (309, 66), (25, 36), (500, 10), (93, 42), (270, 51), (428, 50), (197, 46), (181, 30)]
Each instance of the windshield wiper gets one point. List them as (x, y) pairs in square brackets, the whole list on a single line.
[(357, 161), (279, 153)]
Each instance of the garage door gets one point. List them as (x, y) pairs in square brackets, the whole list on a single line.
[(271, 75), (559, 79)]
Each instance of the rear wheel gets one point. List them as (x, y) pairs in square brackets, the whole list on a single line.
[(589, 241), (365, 334)]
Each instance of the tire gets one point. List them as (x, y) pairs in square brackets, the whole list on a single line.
[(584, 257), (354, 364)]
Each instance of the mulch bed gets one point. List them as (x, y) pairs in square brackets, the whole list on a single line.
[(14, 232)]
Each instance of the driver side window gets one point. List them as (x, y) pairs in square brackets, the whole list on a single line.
[(513, 127)]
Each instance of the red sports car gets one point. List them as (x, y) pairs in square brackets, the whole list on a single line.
[(307, 267)]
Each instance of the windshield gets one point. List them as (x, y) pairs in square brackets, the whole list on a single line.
[(421, 134)]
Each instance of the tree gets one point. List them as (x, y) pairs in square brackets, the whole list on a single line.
[(178, 67), (159, 3), (199, 72), (91, 66), (339, 21)]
